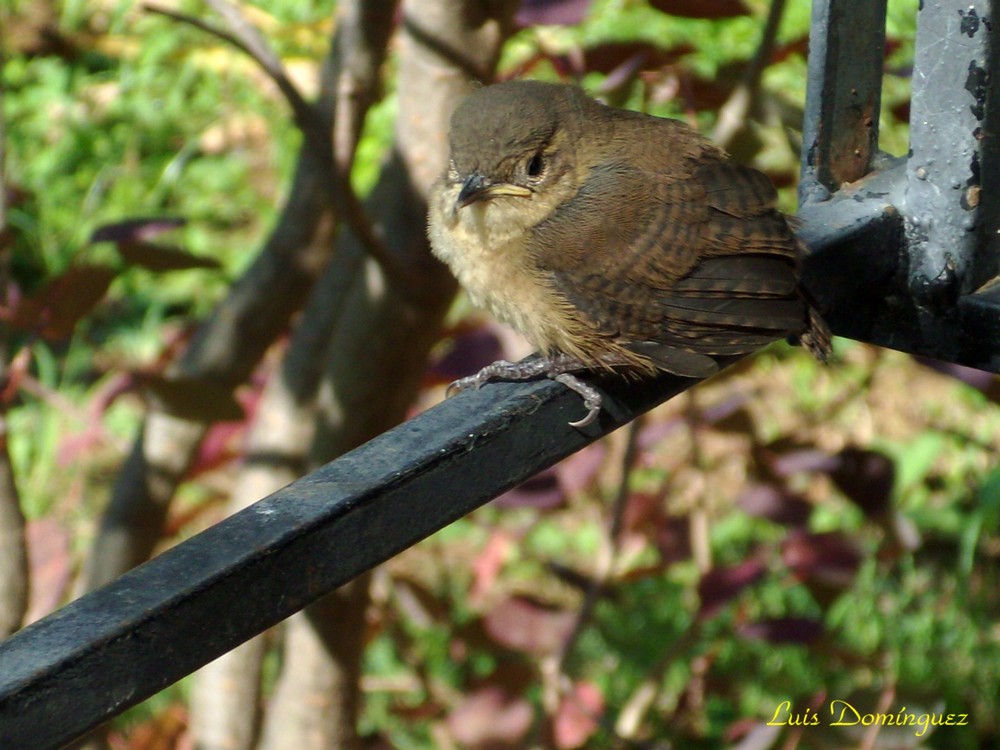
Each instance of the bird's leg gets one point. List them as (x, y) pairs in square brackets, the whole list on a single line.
[(558, 367)]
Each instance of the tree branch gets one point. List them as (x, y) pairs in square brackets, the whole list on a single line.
[(733, 114)]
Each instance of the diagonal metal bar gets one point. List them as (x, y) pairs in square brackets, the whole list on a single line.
[(120, 644)]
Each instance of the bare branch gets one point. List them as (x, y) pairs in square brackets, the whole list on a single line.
[(225, 713), (246, 38), (733, 114), (384, 331), (13, 552)]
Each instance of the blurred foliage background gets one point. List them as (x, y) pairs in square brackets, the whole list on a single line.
[(787, 532)]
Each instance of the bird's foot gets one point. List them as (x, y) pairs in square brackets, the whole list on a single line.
[(559, 367)]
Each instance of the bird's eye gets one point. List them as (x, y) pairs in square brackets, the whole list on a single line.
[(536, 165)]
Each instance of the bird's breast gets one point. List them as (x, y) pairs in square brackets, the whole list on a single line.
[(490, 260)]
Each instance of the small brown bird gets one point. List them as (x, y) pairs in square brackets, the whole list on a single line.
[(612, 240)]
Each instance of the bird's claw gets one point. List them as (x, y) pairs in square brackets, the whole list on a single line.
[(499, 369), (462, 384), (591, 397)]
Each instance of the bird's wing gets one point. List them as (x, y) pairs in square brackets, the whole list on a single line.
[(677, 268)]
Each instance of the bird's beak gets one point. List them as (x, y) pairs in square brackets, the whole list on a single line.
[(479, 188)]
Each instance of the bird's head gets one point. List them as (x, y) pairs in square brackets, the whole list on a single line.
[(514, 150)]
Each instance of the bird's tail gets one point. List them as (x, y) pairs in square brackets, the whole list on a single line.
[(816, 337)]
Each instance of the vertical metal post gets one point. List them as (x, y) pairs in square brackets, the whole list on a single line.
[(944, 176), (840, 132), (986, 264)]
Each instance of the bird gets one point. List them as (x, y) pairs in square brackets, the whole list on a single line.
[(612, 240)]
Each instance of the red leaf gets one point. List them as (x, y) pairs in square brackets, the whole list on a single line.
[(54, 309), (50, 565), (223, 443), (701, 8), (524, 624), (155, 257), (164, 730), (17, 369), (136, 230), (487, 564), (576, 718), (490, 717), (720, 585)]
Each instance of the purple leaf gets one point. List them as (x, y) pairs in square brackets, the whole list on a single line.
[(136, 230), (154, 257), (198, 400), (490, 717), (521, 623), (653, 433), (796, 461), (728, 408), (470, 352), (985, 382), (54, 309), (552, 12), (784, 630), (828, 558), (775, 504), (978, 379), (719, 585), (578, 471), (542, 491), (610, 56), (701, 8), (867, 477)]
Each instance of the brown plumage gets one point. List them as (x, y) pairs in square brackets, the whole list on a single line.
[(612, 239)]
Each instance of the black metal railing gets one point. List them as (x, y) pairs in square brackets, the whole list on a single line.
[(902, 253)]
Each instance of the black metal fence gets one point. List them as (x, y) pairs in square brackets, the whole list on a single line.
[(903, 253)]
